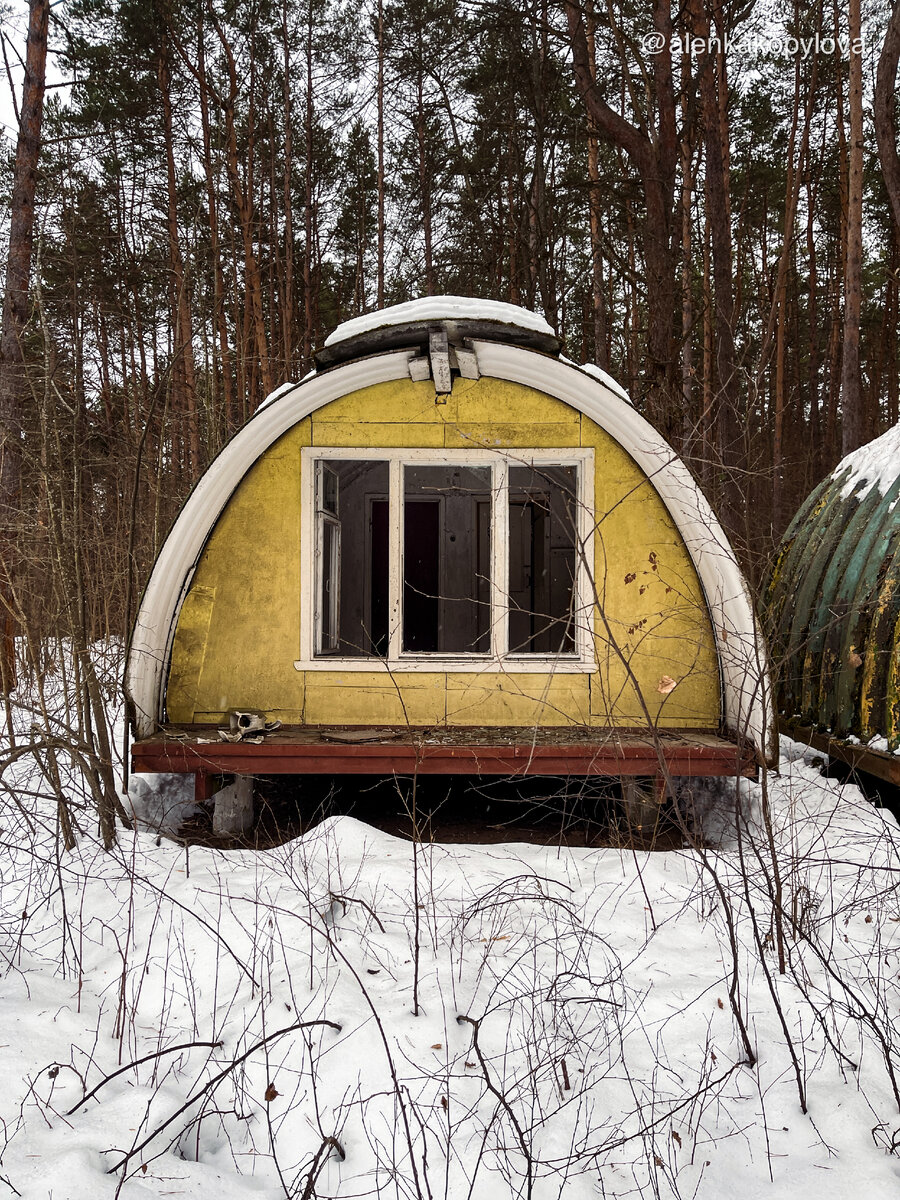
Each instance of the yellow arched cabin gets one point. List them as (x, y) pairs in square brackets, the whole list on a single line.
[(447, 550)]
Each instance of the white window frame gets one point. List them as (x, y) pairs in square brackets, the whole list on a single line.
[(334, 597), (500, 659), (325, 516)]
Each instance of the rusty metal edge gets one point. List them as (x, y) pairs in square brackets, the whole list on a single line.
[(862, 758)]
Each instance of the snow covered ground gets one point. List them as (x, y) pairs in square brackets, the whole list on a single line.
[(335, 1018)]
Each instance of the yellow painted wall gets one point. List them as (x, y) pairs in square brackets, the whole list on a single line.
[(238, 634)]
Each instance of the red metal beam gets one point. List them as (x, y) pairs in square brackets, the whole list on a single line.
[(614, 758)]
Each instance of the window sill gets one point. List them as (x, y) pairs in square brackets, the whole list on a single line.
[(531, 665)]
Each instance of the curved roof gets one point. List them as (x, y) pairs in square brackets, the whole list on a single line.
[(741, 652), (834, 598)]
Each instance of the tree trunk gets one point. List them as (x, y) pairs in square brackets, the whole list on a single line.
[(891, 318), (424, 176), (655, 159), (706, 464), (509, 216), (688, 435), (13, 383), (243, 201), (727, 415), (184, 374), (219, 316), (288, 293), (792, 193), (380, 139), (854, 432), (309, 314), (884, 109), (815, 424)]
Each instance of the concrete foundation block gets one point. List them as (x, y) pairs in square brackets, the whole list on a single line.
[(233, 808), (162, 802)]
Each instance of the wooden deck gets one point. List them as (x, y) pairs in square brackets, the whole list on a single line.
[(332, 750)]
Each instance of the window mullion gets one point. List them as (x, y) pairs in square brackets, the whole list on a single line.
[(500, 559), (395, 561)]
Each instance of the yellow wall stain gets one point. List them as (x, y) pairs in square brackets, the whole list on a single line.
[(189, 650), (238, 633), (871, 714)]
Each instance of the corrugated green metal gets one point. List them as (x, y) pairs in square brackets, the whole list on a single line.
[(833, 604)]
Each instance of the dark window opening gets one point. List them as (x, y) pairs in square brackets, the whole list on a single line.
[(353, 538), (446, 559), (543, 548), (421, 575), (379, 584), (441, 586)]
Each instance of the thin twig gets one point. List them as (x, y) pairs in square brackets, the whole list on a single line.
[(216, 1079), (137, 1062)]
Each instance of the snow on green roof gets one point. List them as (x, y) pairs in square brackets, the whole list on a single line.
[(875, 465)]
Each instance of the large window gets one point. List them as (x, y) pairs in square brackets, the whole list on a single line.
[(420, 557)]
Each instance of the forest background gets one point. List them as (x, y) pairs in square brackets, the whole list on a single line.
[(702, 198)]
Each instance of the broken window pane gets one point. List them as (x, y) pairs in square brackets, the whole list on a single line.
[(542, 558), (329, 489), (446, 559), (353, 539)]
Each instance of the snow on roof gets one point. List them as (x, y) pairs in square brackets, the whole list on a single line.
[(440, 308), (280, 391), (875, 465), (600, 375)]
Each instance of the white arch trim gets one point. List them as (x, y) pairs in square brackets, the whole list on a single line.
[(741, 651)]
